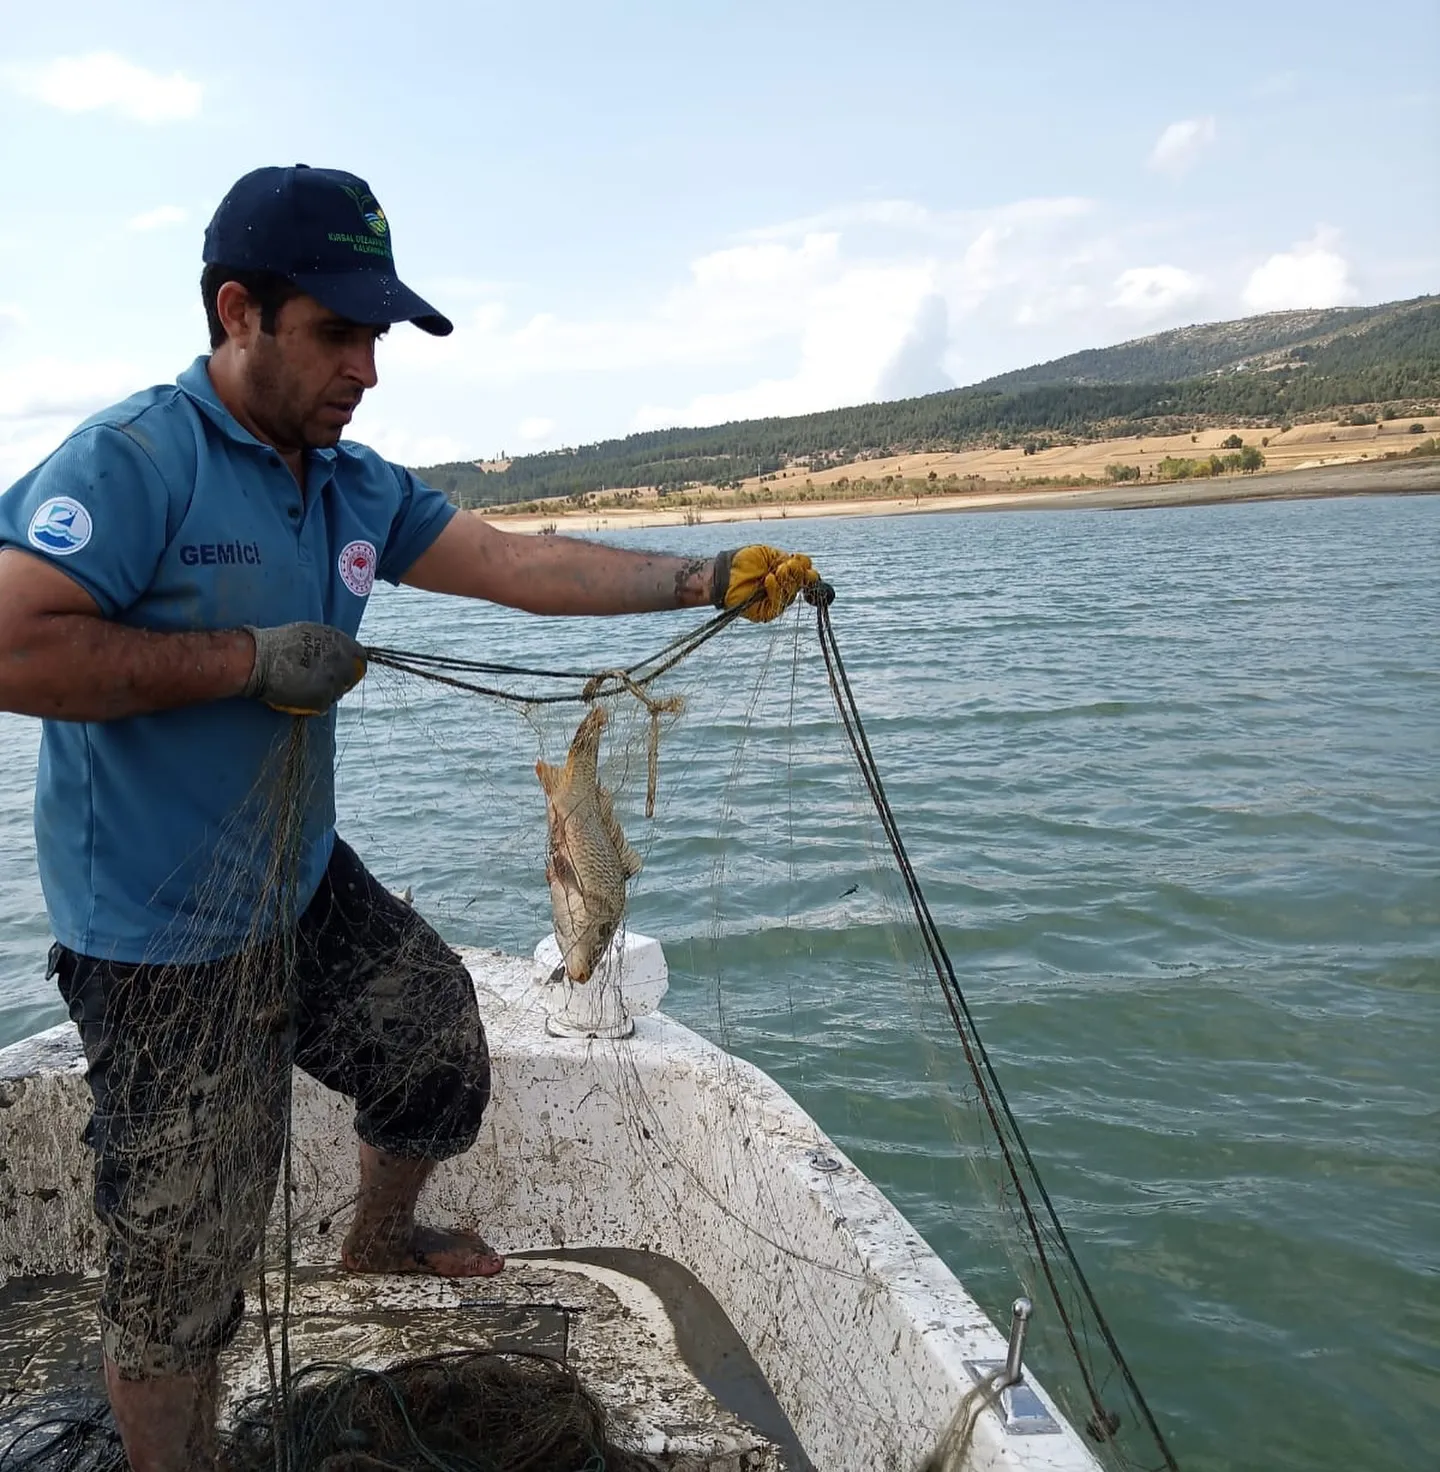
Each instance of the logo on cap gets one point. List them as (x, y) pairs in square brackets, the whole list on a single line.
[(61, 526), (357, 567), (370, 211)]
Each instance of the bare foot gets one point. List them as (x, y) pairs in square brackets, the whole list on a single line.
[(456, 1254)]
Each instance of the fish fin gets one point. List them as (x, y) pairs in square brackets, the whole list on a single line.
[(584, 757), (629, 861), (552, 779)]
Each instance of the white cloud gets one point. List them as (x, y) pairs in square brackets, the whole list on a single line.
[(42, 400), (735, 300), (536, 428), (1048, 303), (55, 387), (854, 324), (158, 218), (24, 445), (802, 316), (1178, 147), (1153, 290), (102, 79), (405, 447), (764, 265), (11, 317), (1310, 274)]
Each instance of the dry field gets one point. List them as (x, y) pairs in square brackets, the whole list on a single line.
[(1300, 448), (1305, 447)]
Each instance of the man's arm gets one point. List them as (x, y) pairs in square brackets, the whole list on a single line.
[(556, 574), (61, 659)]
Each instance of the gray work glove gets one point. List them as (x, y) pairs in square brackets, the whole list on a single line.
[(303, 669)]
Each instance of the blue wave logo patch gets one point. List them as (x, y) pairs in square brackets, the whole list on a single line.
[(60, 526)]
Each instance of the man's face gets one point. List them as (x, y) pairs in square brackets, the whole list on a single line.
[(303, 383)]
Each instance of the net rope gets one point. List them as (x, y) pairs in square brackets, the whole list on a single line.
[(1042, 1224), (286, 1425)]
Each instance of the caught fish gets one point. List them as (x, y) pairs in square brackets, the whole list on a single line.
[(588, 860)]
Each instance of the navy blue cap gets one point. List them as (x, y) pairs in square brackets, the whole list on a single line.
[(323, 230)]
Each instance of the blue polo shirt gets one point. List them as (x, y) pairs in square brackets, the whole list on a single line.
[(155, 834)]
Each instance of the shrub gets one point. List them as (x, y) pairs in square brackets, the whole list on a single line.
[(1417, 429), (1231, 442)]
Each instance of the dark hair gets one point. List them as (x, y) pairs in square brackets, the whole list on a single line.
[(267, 289)]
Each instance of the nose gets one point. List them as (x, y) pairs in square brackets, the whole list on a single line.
[(360, 363)]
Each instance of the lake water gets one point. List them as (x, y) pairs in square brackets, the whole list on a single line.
[(1171, 780)]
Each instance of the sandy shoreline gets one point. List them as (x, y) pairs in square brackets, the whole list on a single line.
[(1389, 478)]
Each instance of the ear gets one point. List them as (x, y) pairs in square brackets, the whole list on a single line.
[(239, 315)]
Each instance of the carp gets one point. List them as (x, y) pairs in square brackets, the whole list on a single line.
[(587, 860)]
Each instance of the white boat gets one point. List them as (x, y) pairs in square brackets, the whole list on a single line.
[(678, 1230)]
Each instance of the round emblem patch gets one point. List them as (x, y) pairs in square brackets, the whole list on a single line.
[(357, 568), (60, 526)]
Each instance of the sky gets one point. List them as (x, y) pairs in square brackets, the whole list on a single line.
[(646, 214)]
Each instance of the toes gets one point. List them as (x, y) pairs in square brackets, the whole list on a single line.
[(455, 1255)]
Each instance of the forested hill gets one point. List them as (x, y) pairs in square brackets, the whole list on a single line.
[(1385, 357), (1251, 343)]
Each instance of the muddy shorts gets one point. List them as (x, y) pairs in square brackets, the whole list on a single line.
[(189, 1070)]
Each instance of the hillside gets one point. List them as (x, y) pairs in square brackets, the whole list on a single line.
[(1267, 341), (1281, 368)]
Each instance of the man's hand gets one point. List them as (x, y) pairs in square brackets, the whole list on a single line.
[(777, 575), (303, 669)]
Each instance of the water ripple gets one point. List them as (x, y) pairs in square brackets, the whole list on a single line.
[(1172, 784)]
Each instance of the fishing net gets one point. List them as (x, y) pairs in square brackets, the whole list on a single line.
[(719, 750), (509, 1413), (466, 1411)]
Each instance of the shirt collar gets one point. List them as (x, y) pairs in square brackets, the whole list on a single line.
[(196, 384)]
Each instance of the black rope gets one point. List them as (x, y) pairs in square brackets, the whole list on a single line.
[(444, 669), (997, 1107), (1019, 1163)]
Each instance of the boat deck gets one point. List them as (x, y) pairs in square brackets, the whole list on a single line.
[(618, 1175), (641, 1331)]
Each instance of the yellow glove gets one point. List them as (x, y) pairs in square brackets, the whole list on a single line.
[(741, 573)]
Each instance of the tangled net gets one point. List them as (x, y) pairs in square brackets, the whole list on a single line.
[(462, 1411), (468, 1410)]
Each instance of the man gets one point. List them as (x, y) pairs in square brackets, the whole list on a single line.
[(181, 578)]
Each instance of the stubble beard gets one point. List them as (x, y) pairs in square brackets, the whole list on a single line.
[(275, 404)]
